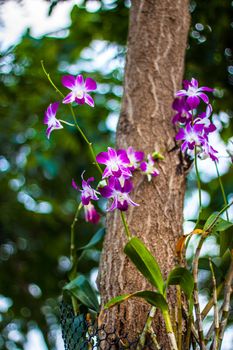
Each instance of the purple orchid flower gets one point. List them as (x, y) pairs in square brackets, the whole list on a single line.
[(184, 115), (208, 152), (194, 93), (79, 89), (51, 120), (192, 136), (87, 192), (91, 214), (135, 157), (148, 168), (119, 194), (116, 162), (204, 118)]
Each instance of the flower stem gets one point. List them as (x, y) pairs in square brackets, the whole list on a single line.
[(50, 80), (127, 231), (73, 256), (86, 140), (198, 184), (222, 188)]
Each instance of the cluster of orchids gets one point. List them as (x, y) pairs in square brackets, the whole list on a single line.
[(116, 183), (195, 124)]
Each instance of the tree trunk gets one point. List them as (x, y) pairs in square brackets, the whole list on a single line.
[(154, 71)]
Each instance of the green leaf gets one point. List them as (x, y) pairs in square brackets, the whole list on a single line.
[(204, 264), (219, 225), (182, 277), (154, 298), (117, 300), (226, 240), (210, 220), (97, 238), (225, 262), (145, 262), (81, 289)]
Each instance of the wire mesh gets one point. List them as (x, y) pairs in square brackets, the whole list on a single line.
[(78, 333)]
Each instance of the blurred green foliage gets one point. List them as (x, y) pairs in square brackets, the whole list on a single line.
[(37, 202)]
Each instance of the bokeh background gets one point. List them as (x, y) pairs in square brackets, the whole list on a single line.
[(37, 203)]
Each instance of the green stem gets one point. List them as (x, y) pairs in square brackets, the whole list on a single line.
[(73, 256), (50, 80), (86, 140), (222, 188), (169, 330), (179, 330), (198, 184), (188, 333), (127, 231), (146, 329)]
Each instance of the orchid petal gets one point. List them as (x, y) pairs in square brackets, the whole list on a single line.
[(181, 134), (74, 185), (194, 83), (102, 157), (80, 101), (68, 81), (204, 97), (181, 93), (90, 84), (193, 101), (89, 100), (69, 98), (79, 81)]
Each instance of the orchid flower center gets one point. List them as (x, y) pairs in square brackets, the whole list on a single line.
[(121, 197), (79, 93), (150, 167), (113, 164), (192, 137), (132, 159), (192, 91), (52, 121)]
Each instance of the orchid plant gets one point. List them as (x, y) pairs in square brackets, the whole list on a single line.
[(116, 169)]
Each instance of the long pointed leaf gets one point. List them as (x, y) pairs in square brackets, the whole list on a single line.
[(154, 298), (219, 225), (145, 262), (83, 291), (182, 277), (97, 238)]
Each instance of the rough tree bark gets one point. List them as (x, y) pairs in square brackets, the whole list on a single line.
[(154, 71)]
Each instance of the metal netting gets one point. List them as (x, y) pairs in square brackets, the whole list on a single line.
[(78, 333)]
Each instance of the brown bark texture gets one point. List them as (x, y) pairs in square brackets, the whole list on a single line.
[(154, 71)]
